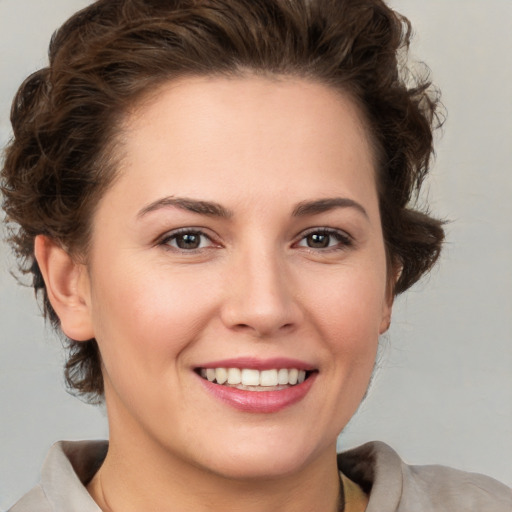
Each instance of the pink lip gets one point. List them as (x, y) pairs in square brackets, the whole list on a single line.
[(259, 401), (259, 364)]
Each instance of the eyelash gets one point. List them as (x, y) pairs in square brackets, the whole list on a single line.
[(344, 240), (175, 235)]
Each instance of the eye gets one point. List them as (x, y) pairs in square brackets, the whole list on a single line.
[(325, 239), (187, 240)]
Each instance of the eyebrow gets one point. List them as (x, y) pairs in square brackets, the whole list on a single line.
[(192, 205), (323, 205), (213, 209)]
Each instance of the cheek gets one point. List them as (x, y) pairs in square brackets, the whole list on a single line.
[(348, 305), (143, 320)]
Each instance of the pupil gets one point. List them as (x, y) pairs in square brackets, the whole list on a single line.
[(318, 241), (188, 241)]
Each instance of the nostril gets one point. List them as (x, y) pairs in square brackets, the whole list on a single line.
[(242, 327), (262, 330)]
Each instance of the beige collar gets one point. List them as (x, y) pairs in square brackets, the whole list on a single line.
[(355, 499)]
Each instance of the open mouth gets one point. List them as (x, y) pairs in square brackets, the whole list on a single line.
[(255, 380)]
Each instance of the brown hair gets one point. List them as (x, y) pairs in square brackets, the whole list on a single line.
[(106, 56)]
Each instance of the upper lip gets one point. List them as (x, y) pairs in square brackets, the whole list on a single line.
[(259, 364)]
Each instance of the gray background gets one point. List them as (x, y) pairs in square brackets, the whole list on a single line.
[(444, 391)]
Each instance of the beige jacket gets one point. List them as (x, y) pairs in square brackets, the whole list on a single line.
[(392, 485)]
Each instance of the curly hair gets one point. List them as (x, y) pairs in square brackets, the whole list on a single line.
[(61, 158)]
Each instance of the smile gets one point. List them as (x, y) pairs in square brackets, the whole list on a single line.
[(251, 379), (255, 386)]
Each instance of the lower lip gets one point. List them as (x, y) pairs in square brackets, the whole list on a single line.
[(260, 401)]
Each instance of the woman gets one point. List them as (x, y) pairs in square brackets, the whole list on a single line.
[(213, 199)]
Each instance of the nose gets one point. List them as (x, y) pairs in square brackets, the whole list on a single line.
[(260, 298)]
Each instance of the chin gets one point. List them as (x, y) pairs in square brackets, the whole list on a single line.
[(257, 467), (268, 459)]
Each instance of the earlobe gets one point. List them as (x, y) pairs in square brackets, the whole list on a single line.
[(386, 320), (387, 307), (67, 285)]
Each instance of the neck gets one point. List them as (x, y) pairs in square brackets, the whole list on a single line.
[(142, 476), (142, 472)]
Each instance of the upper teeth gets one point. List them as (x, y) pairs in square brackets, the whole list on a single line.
[(251, 377)]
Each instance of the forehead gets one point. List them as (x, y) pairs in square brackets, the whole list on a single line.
[(245, 131)]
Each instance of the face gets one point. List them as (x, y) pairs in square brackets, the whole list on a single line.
[(242, 240)]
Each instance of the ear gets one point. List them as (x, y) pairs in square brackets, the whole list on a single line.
[(387, 304), (387, 307), (68, 288)]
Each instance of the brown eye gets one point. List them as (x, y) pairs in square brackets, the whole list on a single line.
[(318, 240), (187, 240), (325, 239)]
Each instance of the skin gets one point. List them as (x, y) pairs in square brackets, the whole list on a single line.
[(258, 147)]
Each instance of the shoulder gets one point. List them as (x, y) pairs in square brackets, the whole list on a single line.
[(32, 501), (67, 469), (395, 486)]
